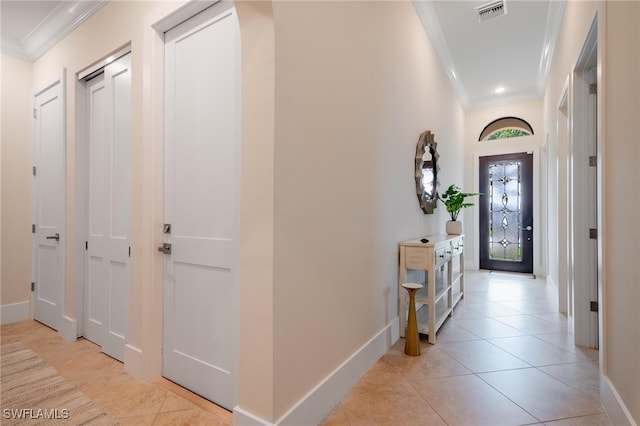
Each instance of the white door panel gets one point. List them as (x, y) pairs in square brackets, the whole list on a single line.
[(109, 141), (96, 283), (49, 203), (201, 203)]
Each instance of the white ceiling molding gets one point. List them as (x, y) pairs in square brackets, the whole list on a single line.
[(431, 24), (54, 27), (554, 20)]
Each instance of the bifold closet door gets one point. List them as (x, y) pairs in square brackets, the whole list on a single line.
[(109, 208)]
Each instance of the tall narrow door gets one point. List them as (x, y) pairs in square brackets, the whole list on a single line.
[(201, 204), (49, 203), (106, 310), (506, 212)]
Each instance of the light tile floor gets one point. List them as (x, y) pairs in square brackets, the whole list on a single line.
[(130, 401), (505, 357)]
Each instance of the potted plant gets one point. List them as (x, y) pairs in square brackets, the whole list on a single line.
[(454, 200)]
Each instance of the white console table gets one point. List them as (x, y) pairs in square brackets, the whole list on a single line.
[(442, 260)]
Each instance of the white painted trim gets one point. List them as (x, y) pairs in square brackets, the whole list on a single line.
[(68, 328), (562, 202), (319, 402), (554, 21), (431, 24), (132, 359), (14, 312), (57, 25), (242, 417), (616, 409)]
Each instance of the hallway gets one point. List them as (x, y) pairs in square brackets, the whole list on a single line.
[(504, 358)]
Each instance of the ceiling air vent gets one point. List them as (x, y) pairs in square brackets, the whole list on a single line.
[(491, 10)]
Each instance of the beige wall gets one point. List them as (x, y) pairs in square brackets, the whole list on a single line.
[(17, 89), (622, 201), (256, 391), (619, 49), (356, 83), (475, 122)]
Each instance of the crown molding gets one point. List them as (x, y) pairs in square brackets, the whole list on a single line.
[(431, 24), (56, 26), (554, 21)]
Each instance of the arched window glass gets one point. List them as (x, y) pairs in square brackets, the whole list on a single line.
[(505, 127)]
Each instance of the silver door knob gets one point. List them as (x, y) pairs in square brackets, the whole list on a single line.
[(529, 228), (54, 237)]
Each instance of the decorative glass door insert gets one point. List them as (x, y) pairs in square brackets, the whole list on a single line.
[(505, 217)]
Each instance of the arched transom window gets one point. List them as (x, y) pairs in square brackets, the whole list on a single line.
[(505, 127)]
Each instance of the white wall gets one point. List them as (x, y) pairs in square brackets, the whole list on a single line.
[(17, 87), (619, 94), (356, 83), (475, 122)]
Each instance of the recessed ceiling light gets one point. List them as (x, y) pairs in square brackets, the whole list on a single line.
[(499, 90)]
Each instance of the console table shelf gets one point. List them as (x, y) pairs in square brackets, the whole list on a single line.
[(442, 261)]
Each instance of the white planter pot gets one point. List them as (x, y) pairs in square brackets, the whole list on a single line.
[(454, 227)]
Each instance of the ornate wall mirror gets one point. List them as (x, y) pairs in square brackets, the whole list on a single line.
[(426, 172)]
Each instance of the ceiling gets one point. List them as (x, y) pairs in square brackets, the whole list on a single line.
[(512, 51)]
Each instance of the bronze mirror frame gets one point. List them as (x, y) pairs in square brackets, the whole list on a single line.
[(427, 145)]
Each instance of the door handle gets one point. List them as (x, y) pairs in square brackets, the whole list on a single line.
[(165, 248), (54, 237), (529, 228)]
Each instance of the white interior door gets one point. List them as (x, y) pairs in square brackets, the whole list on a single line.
[(201, 204), (107, 260), (49, 203)]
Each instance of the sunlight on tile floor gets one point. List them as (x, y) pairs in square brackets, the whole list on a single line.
[(505, 357)]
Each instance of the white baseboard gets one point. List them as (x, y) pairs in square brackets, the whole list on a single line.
[(14, 312), (68, 328), (244, 418), (133, 360), (319, 402), (616, 409)]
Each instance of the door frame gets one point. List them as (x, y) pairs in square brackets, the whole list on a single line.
[(562, 211), (66, 325), (526, 144), (585, 323)]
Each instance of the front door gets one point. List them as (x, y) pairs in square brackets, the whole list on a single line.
[(106, 310), (49, 203), (201, 204), (506, 212)]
